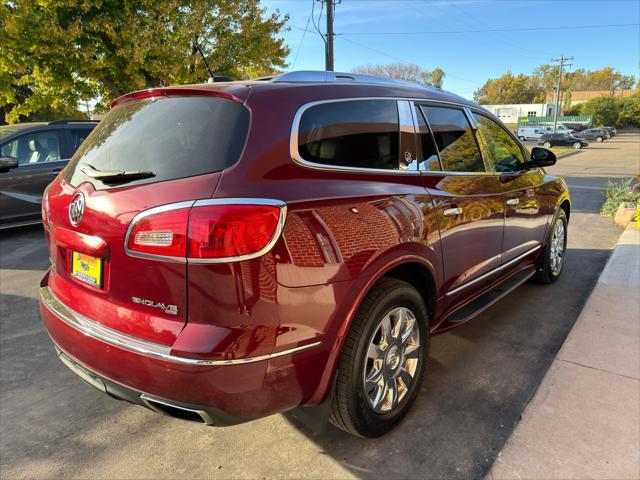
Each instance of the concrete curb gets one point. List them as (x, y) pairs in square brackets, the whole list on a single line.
[(584, 421)]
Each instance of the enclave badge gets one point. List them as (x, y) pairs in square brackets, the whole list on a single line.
[(166, 308), (76, 209)]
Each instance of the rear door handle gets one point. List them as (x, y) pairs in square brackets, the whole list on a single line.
[(452, 212), (513, 201)]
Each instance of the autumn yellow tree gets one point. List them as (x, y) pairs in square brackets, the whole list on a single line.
[(56, 53)]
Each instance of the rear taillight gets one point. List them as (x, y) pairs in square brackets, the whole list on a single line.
[(162, 233), (207, 230), (225, 231), (44, 208)]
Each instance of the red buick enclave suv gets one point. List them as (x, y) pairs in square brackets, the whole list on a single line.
[(223, 252)]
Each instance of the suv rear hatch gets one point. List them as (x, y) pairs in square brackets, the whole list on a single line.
[(153, 149)]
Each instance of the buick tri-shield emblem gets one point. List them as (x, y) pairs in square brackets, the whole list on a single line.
[(76, 209)]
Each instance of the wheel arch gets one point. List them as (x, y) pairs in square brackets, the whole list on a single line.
[(413, 270)]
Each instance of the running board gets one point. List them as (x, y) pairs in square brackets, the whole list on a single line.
[(484, 301)]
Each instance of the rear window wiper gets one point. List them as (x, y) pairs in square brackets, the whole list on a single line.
[(114, 176)]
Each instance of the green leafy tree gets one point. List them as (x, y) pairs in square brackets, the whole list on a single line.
[(508, 88), (629, 115), (56, 53), (605, 110), (404, 71)]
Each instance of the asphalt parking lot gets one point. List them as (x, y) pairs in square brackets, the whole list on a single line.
[(479, 379)]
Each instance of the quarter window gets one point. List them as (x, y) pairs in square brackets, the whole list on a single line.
[(360, 134), (458, 148), (503, 151)]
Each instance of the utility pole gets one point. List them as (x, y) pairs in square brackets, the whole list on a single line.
[(329, 43), (561, 64)]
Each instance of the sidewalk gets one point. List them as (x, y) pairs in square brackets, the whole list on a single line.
[(584, 421)]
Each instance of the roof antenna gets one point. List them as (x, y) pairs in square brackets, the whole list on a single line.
[(212, 77)]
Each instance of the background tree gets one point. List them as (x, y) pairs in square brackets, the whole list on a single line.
[(404, 71), (629, 115), (508, 88), (57, 53)]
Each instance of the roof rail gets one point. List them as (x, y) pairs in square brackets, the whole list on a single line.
[(318, 76), (62, 122)]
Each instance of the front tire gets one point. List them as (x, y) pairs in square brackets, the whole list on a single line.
[(577, 145), (552, 262), (522, 139), (547, 145), (382, 361), (599, 139)]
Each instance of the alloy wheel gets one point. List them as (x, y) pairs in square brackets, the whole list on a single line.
[(392, 360), (547, 144), (577, 146), (556, 252)]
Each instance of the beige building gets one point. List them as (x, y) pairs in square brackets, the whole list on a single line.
[(581, 96)]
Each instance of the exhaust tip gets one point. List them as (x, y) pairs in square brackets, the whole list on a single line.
[(181, 413)]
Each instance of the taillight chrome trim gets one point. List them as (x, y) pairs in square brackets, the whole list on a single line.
[(245, 201), (97, 331), (209, 202)]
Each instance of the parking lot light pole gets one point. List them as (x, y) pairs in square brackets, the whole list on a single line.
[(561, 64)]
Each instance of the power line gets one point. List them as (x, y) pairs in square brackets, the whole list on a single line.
[(519, 29), (475, 82), (301, 41)]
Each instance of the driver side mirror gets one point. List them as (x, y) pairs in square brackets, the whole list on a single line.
[(7, 163), (541, 157)]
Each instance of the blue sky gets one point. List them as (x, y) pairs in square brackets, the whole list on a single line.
[(469, 58)]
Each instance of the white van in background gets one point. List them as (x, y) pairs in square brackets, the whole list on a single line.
[(530, 133)]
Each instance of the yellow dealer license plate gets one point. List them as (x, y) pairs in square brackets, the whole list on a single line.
[(87, 269)]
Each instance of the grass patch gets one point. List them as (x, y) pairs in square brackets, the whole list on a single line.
[(616, 193)]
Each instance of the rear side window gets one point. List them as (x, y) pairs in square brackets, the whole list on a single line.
[(77, 136), (458, 148), (356, 134), (172, 136)]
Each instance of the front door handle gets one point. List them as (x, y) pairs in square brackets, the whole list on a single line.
[(513, 201), (452, 212)]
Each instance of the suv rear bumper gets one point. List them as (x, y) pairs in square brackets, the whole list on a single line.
[(145, 373), (195, 413)]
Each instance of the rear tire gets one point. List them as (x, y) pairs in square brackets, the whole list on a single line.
[(382, 361), (577, 145), (551, 262), (547, 145), (522, 139), (599, 139)]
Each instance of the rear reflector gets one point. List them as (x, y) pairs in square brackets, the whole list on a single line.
[(208, 231)]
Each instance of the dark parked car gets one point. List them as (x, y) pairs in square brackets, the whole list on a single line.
[(223, 252), (32, 154), (597, 134), (611, 131), (562, 140)]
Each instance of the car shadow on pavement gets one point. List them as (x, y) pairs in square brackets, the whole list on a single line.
[(479, 379)]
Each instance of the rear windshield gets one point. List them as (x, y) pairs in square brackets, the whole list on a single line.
[(172, 137)]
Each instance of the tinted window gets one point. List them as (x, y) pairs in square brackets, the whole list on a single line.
[(459, 151), (173, 137), (362, 134), (39, 147), (503, 151), (77, 136), (429, 159)]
